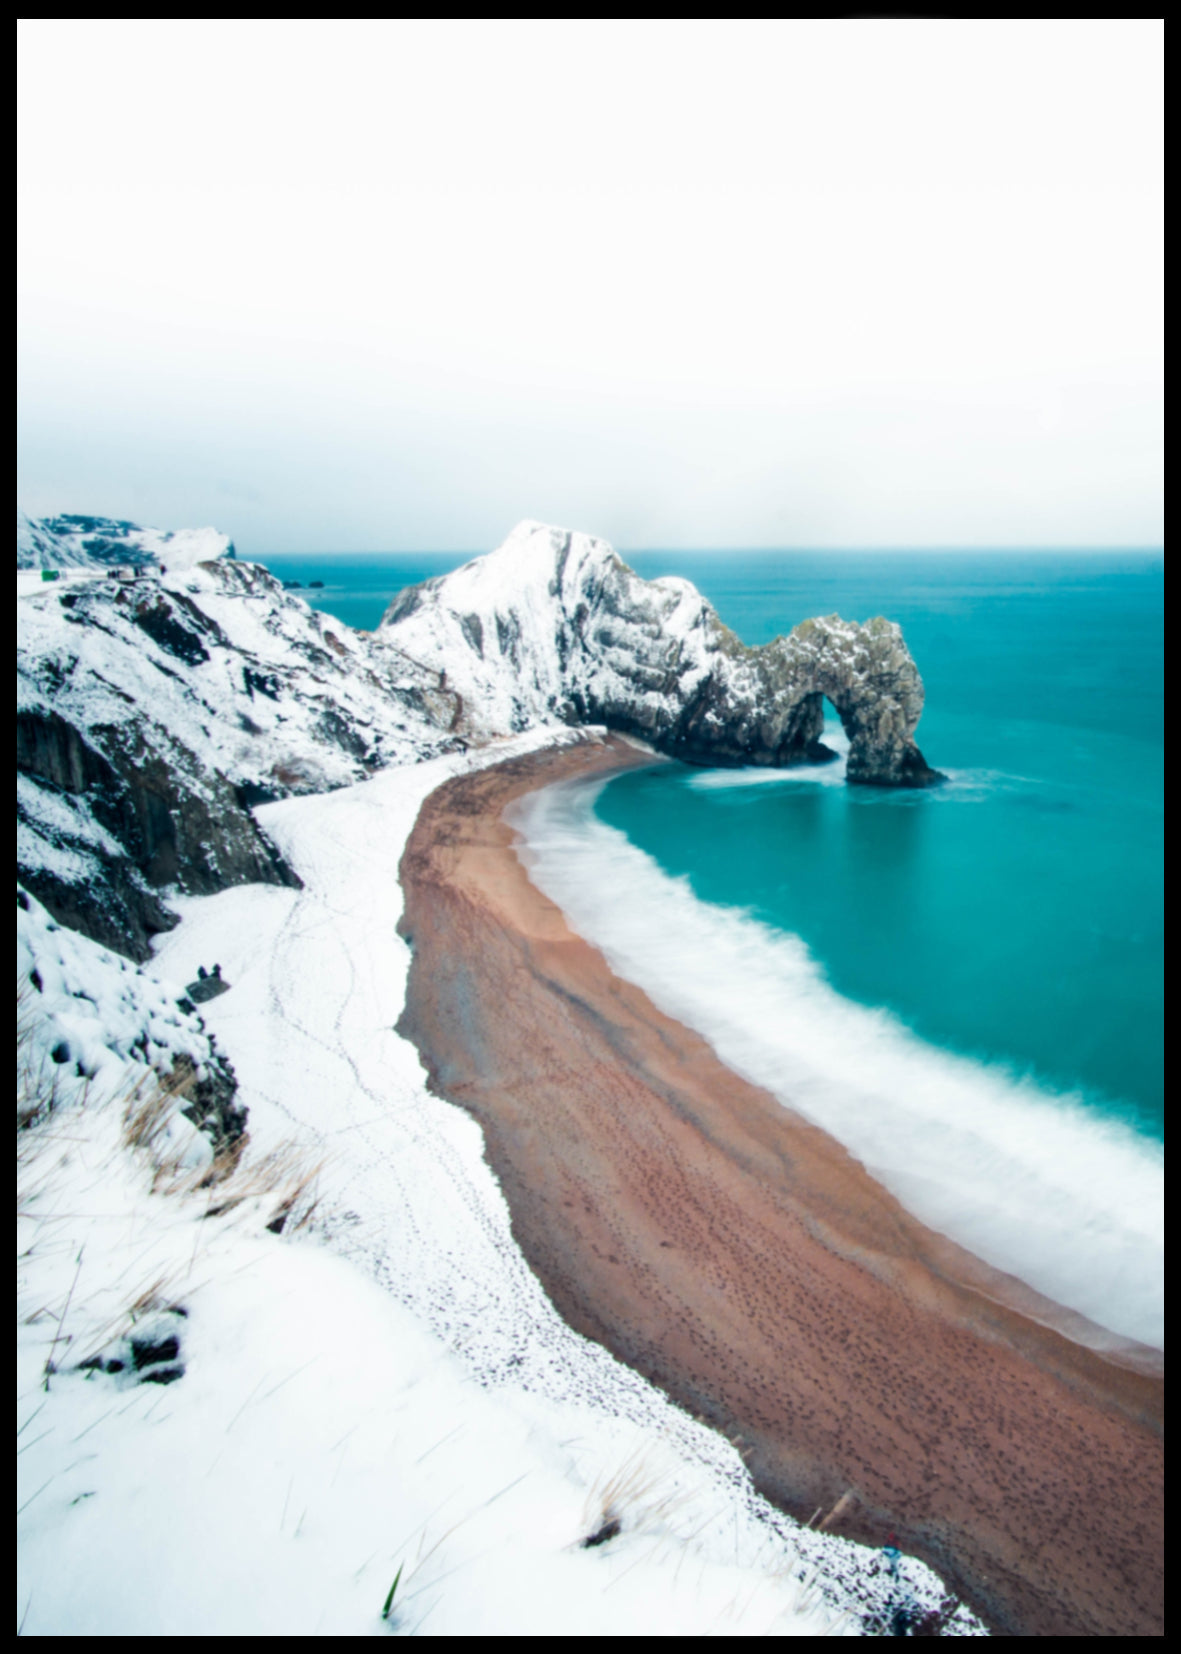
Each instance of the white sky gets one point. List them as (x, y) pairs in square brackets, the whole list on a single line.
[(386, 285)]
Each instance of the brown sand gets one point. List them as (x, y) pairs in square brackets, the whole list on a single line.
[(750, 1267)]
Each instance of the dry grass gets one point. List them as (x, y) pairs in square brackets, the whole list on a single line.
[(283, 1183), (638, 1496), (109, 1294), (145, 1116)]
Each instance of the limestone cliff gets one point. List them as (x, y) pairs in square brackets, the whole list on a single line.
[(555, 628), (154, 713)]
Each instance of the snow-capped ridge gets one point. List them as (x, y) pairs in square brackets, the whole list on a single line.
[(153, 715), (75, 541), (554, 628)]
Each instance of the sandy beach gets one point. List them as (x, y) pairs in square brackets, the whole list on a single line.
[(877, 1378)]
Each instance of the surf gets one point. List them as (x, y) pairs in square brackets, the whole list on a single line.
[(1034, 1182)]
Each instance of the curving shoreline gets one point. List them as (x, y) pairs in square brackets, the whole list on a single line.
[(748, 1265)]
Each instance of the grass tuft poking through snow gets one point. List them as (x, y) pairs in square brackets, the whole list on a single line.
[(641, 1495)]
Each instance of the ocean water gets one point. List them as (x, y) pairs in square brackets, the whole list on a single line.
[(963, 984), (358, 586)]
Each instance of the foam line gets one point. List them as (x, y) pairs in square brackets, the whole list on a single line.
[(1037, 1184), (831, 774)]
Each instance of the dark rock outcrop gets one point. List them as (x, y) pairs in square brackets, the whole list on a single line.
[(210, 1100), (154, 716), (144, 814)]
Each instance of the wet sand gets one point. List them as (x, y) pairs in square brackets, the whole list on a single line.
[(743, 1261)]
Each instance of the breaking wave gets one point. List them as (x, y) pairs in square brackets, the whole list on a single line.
[(1035, 1183)]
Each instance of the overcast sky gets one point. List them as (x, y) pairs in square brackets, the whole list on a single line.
[(391, 285)]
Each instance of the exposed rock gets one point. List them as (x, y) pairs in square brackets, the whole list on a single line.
[(207, 988), (149, 1354), (108, 1023), (161, 819), (554, 627), (209, 1093), (72, 541), (153, 717)]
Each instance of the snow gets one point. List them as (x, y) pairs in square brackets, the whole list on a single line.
[(553, 620), (384, 1385), (93, 1022), (302, 1457), (97, 543), (95, 664), (387, 1388)]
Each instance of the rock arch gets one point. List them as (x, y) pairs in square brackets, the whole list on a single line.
[(870, 677), (554, 627), (766, 705)]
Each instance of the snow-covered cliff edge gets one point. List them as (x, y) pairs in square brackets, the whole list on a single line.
[(154, 713), (78, 542), (554, 628)]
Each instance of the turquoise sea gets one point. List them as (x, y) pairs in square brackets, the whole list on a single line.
[(1004, 929)]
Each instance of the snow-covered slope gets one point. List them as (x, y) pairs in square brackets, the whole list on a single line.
[(554, 628), (89, 1020), (152, 715), (390, 1389), (76, 542), (391, 1396)]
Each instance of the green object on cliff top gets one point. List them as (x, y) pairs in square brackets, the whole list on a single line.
[(51, 574)]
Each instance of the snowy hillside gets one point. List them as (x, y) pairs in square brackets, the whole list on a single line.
[(554, 628), (381, 1391), (152, 715), (316, 1338), (88, 1018), (76, 542)]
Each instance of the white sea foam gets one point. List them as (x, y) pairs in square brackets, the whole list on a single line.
[(830, 774), (1036, 1184)]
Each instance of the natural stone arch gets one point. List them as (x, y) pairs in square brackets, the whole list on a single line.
[(869, 676), (766, 705), (555, 627)]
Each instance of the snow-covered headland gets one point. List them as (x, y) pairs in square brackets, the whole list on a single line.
[(262, 1378)]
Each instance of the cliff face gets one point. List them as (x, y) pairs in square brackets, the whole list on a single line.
[(554, 627), (152, 715)]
